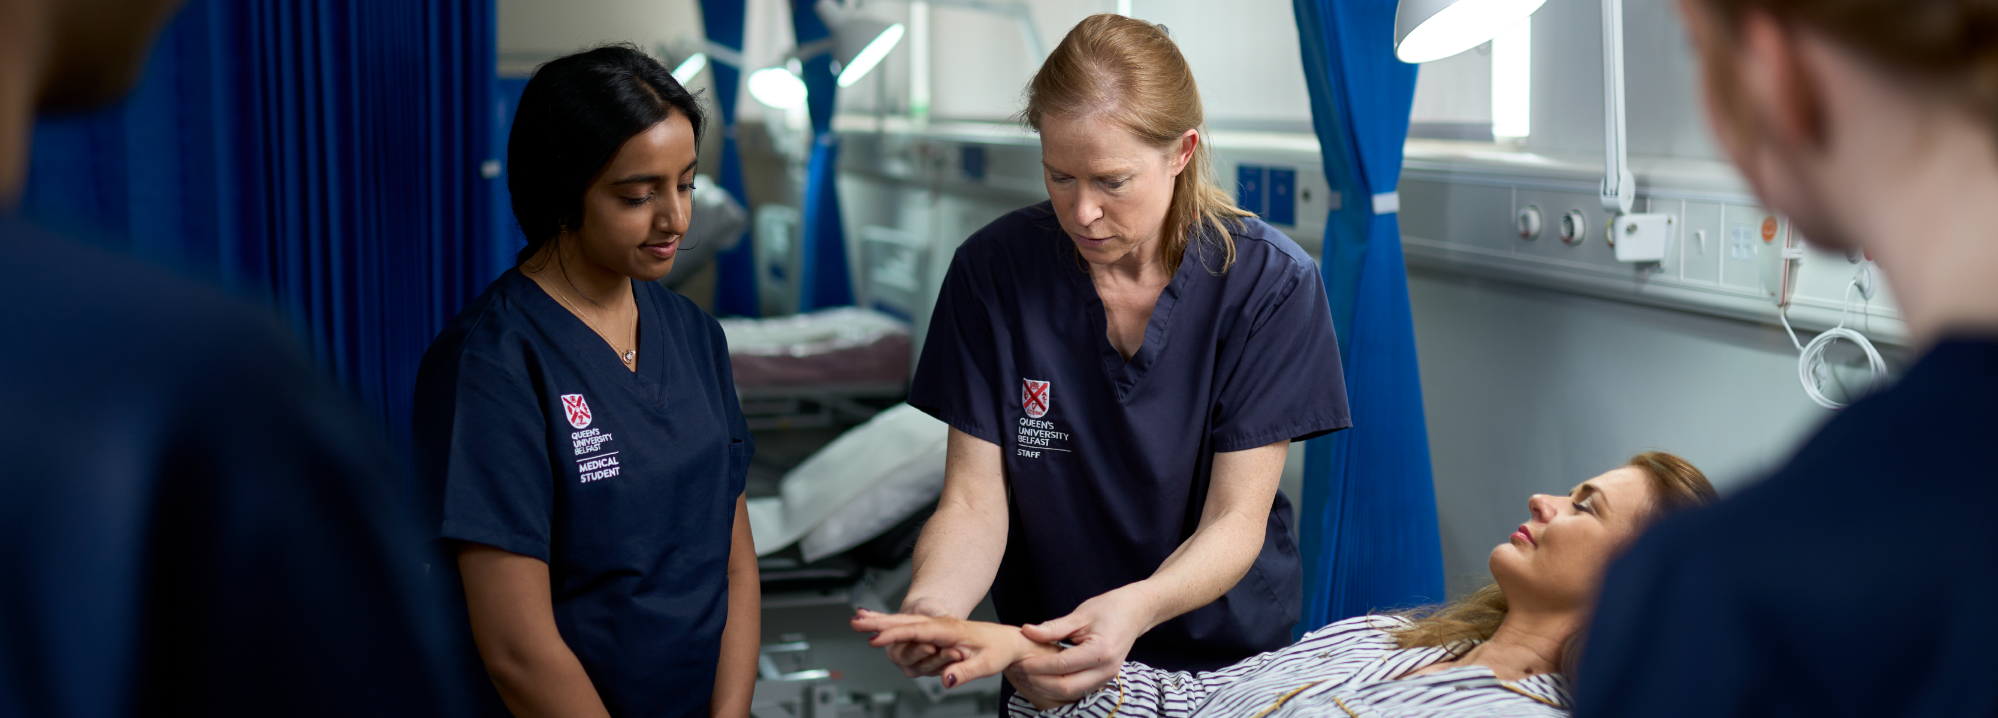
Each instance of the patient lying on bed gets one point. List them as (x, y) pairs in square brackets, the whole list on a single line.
[(1500, 651)]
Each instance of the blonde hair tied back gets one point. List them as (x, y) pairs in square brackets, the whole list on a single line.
[(1132, 73)]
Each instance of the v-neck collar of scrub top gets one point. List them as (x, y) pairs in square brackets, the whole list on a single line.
[(1125, 375), (592, 351)]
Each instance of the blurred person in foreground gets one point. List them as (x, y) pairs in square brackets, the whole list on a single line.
[(1859, 578), (195, 522)]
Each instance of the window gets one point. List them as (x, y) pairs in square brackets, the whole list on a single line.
[(1479, 95)]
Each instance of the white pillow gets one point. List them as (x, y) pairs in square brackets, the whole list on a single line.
[(881, 471)]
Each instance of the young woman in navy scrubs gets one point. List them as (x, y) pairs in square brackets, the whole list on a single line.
[(577, 430), (1123, 368)]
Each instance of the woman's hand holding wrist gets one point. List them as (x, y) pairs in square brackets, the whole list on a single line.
[(968, 650), (1103, 630)]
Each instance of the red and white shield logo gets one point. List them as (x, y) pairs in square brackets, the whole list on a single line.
[(1034, 397), (577, 409)]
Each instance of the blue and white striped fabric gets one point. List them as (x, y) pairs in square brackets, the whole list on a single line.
[(1346, 669)]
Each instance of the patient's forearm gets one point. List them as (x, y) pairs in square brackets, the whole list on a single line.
[(958, 554)]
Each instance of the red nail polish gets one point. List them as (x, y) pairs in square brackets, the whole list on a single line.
[(950, 681)]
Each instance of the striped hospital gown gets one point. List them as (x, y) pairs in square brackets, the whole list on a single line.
[(1347, 669)]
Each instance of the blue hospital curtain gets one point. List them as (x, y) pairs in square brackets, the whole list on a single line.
[(328, 158), (823, 254), (735, 269), (1369, 525)]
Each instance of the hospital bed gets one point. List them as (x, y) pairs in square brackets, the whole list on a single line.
[(833, 366), (818, 369)]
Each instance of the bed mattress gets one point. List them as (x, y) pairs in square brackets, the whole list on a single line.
[(844, 345)]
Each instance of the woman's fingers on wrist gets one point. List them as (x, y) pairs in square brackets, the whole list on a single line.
[(1054, 630), (1070, 660)]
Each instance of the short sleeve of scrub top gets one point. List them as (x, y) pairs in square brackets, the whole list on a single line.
[(1108, 461), (533, 438)]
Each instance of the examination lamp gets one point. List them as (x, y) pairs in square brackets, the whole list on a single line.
[(690, 67), (858, 43), (777, 87), (1426, 30)]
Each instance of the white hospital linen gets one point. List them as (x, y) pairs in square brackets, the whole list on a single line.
[(868, 479), (1346, 669)]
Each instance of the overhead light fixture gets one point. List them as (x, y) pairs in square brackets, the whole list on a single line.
[(777, 87), (852, 69), (690, 67), (1426, 30), (858, 42)]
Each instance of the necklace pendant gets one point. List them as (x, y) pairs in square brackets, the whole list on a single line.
[(631, 356)]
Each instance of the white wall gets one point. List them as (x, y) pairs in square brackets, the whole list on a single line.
[(1662, 105), (980, 63), (1246, 59), (529, 28), (1455, 89), (1533, 391)]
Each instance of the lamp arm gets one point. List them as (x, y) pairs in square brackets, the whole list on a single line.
[(811, 49), (722, 54), (1619, 187)]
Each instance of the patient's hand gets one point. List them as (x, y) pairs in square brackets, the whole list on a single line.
[(976, 649)]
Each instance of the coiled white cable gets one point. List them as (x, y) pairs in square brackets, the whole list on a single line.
[(1812, 371)]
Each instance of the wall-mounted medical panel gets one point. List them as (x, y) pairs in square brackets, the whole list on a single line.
[(1269, 191), (1282, 210), (1251, 187), (1700, 243), (1278, 177), (1461, 208)]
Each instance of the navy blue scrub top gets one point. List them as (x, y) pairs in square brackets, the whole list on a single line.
[(531, 436), (1857, 580), (196, 522), (1108, 462)]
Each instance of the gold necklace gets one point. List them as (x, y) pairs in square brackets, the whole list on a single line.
[(628, 356)]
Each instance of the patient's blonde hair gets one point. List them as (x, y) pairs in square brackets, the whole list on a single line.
[(1675, 484), (1130, 72)]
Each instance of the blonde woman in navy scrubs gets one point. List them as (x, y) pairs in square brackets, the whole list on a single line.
[(581, 451), (1123, 369)]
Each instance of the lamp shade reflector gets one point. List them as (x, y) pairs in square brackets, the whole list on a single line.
[(1426, 30), (877, 47), (777, 87), (690, 67)]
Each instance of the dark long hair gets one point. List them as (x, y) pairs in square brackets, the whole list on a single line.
[(574, 114)]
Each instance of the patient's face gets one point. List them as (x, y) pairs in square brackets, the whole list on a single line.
[(1556, 560)]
